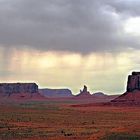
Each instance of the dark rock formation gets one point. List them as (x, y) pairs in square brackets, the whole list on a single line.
[(17, 88), (56, 93), (85, 89), (133, 82), (84, 93), (132, 93)]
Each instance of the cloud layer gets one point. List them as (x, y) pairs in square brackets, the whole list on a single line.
[(66, 25)]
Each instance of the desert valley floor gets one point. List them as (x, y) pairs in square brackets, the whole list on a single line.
[(66, 120)]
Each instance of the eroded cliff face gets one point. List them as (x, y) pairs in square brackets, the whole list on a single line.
[(132, 95), (17, 88), (133, 82)]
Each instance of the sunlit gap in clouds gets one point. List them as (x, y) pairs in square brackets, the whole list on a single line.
[(132, 26)]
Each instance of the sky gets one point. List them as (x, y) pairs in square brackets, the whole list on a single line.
[(70, 43)]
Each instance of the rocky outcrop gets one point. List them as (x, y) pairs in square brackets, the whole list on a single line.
[(133, 82), (84, 93), (132, 93), (18, 88), (85, 89), (56, 93)]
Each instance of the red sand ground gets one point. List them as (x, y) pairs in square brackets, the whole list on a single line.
[(63, 120), (129, 97)]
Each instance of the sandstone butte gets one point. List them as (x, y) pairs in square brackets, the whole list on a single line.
[(132, 94), (19, 91)]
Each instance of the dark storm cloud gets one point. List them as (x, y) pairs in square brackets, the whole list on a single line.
[(126, 7), (65, 25)]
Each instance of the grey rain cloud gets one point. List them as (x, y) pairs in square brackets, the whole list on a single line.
[(66, 25), (126, 7)]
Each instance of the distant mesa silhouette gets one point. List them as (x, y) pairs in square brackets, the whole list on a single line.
[(19, 90), (132, 93), (11, 88), (56, 93), (99, 94)]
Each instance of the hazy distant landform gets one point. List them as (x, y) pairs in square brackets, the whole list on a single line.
[(31, 91)]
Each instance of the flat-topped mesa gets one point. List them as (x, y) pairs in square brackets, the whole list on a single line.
[(133, 82), (15, 88), (56, 93)]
